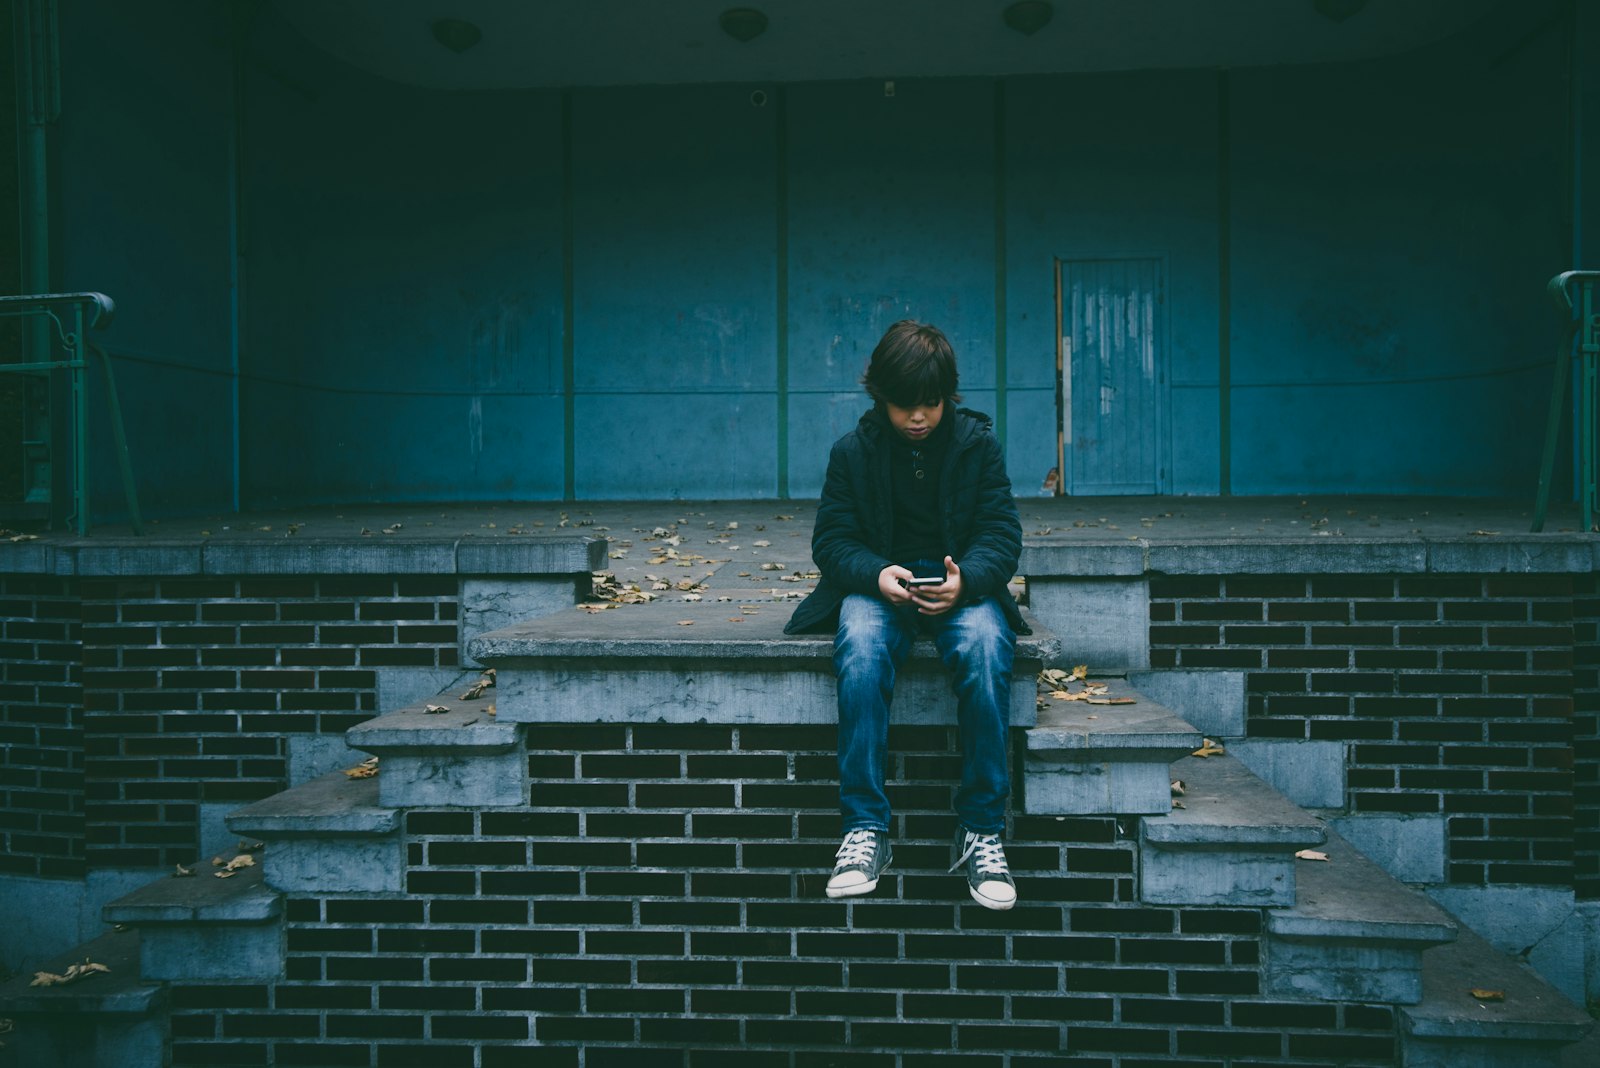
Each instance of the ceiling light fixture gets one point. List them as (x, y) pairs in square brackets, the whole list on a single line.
[(1028, 17), (743, 23), (458, 35)]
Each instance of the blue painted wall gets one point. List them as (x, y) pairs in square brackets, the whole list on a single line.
[(142, 158), (671, 291)]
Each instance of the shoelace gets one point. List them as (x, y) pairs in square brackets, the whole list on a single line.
[(858, 848), (991, 855)]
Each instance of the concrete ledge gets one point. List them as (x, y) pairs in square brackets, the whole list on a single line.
[(330, 835), (1087, 759), (239, 899), (1060, 559), (1232, 842), (461, 758), (1514, 555), (333, 805), (1450, 1028), (204, 927), (1353, 934), (466, 728), (636, 664), (1322, 556), (102, 557), (117, 992)]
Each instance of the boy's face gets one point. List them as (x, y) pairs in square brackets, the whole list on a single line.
[(915, 424)]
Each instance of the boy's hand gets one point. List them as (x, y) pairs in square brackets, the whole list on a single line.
[(891, 584), (937, 600)]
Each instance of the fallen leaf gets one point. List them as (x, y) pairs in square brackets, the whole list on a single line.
[(1311, 854), (1208, 748), (1112, 700), (685, 622), (475, 691), (1486, 533), (1080, 672), (1179, 804), (1179, 788), (434, 710), (250, 847), (183, 873), (393, 528), (490, 710), (72, 974), (1487, 995), (364, 770)]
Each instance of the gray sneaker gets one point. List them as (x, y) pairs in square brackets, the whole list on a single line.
[(861, 859), (988, 876)]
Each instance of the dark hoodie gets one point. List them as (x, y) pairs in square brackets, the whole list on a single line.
[(854, 536)]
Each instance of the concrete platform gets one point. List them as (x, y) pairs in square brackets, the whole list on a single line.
[(1063, 536)]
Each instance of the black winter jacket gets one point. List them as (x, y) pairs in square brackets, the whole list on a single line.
[(854, 530)]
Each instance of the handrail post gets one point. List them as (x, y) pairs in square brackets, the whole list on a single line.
[(61, 321), (1583, 326)]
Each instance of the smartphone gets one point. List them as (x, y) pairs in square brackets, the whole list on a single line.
[(914, 583)]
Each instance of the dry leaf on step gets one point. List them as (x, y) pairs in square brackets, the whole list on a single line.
[(1310, 854), (182, 872), (1208, 748), (1179, 788), (231, 868), (1080, 672), (1112, 700), (434, 710), (1487, 995), (475, 691), (71, 975), (364, 770)]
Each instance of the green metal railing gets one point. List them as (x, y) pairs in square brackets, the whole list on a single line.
[(1578, 294), (55, 354)]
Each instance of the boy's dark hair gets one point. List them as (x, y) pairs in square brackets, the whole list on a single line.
[(913, 364)]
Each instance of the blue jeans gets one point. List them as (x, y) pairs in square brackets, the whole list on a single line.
[(975, 644)]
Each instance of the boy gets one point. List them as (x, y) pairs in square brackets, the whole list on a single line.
[(917, 532)]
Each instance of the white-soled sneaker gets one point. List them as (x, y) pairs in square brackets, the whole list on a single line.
[(862, 856), (988, 876)]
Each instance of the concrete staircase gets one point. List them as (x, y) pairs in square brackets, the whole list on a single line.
[(1335, 931)]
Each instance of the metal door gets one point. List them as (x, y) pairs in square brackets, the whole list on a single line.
[(1112, 376)]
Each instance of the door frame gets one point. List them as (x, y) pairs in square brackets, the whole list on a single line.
[(1163, 388)]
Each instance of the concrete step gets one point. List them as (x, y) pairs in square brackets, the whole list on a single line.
[(203, 927), (1085, 759), (1232, 843), (721, 665), (108, 1020), (329, 835), (1451, 1028), (1212, 699), (462, 757), (1353, 934)]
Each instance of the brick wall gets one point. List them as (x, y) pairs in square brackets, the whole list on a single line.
[(1455, 693), (660, 902), (41, 728), (1586, 737), (193, 688)]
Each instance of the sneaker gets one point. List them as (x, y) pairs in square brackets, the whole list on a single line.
[(988, 877), (861, 859)]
